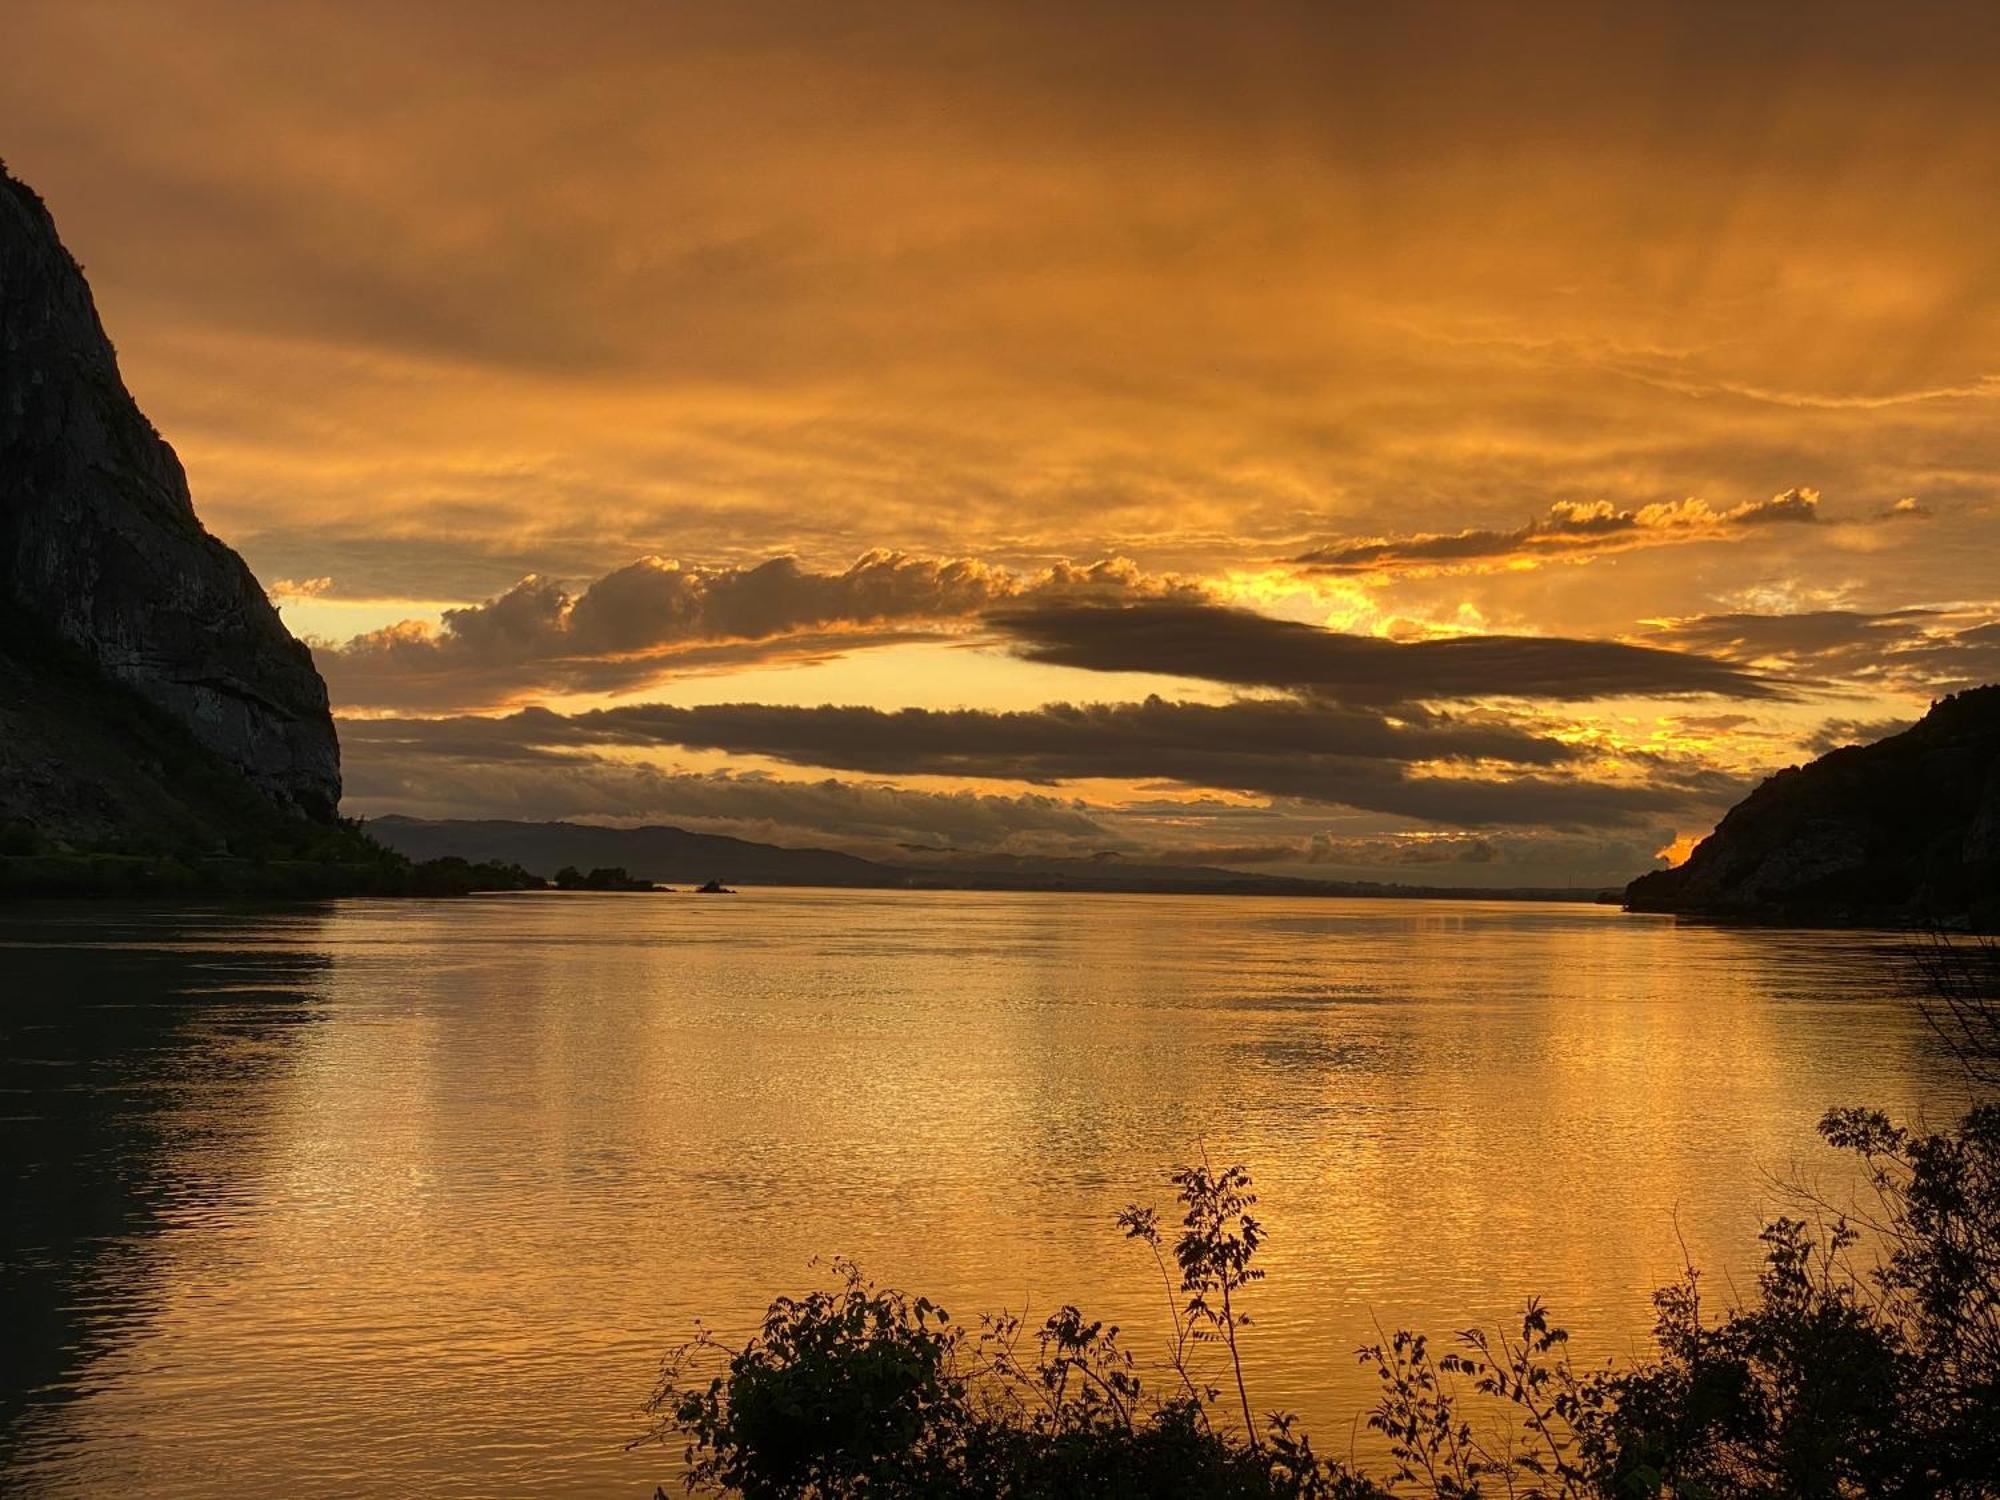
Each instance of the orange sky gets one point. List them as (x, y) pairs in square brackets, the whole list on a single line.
[(1669, 329)]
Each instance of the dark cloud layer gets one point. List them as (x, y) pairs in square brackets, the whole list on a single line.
[(1302, 838), (1279, 748), (654, 615), (1056, 742), (1246, 649), (1331, 849), (1934, 651), (391, 778), (638, 621), (1446, 858)]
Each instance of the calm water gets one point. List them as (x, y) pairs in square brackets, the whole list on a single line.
[(409, 1197)]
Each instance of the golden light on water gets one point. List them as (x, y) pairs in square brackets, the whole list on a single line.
[(1441, 447), (466, 1169)]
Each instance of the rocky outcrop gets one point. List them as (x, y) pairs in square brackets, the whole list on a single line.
[(1903, 831), (100, 548)]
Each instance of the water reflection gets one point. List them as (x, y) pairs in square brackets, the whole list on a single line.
[(409, 1196), (131, 1082)]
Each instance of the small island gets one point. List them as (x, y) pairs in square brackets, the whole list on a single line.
[(604, 878)]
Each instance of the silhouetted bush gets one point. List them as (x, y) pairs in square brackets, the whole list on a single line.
[(860, 1390), (1839, 1379), (1959, 980)]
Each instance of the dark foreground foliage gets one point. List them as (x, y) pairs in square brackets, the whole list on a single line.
[(860, 1390), (1851, 1372)]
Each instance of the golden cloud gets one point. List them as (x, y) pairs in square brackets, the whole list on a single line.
[(1569, 531)]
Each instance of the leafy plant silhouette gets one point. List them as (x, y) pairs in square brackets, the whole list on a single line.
[(1217, 1243)]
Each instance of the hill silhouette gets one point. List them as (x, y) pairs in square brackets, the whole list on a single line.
[(101, 550), (1902, 832), (160, 728)]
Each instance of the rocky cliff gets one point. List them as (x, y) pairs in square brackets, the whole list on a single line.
[(1903, 831), (101, 552)]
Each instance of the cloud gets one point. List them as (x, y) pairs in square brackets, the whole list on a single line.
[(1298, 838), (1836, 733), (1485, 858), (897, 823), (383, 780), (1430, 766), (653, 616), (1569, 530), (1193, 639), (1387, 850), (1919, 650), (697, 277), (641, 620), (1056, 742)]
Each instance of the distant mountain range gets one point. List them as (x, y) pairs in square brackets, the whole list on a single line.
[(1905, 831), (676, 856)]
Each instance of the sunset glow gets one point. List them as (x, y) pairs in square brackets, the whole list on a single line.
[(1607, 414)]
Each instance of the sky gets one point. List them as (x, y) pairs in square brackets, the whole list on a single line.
[(1463, 444)]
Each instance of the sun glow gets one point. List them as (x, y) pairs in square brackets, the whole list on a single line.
[(1676, 853)]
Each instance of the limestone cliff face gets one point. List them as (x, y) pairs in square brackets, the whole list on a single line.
[(1906, 830), (99, 544)]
